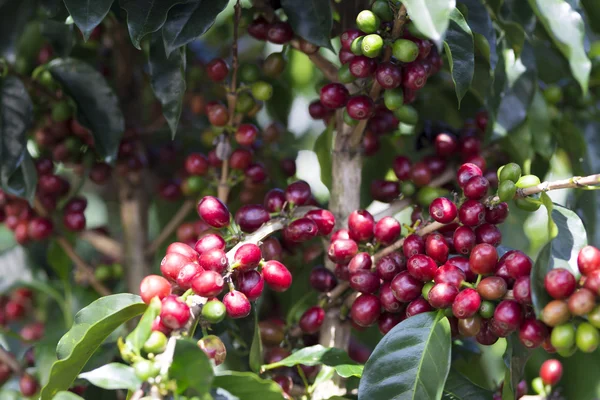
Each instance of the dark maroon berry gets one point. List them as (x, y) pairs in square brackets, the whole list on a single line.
[(402, 167), (298, 193), (388, 267), (208, 242), (414, 76), (385, 191), (406, 287), (388, 75), (342, 250), (277, 276), (341, 272), (421, 267), (413, 244), (387, 230), (251, 283), (443, 210), (288, 166), (470, 145), (464, 239), (217, 70), (361, 67), (522, 290), (174, 313), (361, 225), (259, 28), (488, 233), (213, 212), (560, 283), (208, 284), (76, 204), (450, 274), (322, 279), (485, 336), (311, 320), (483, 259), (251, 217), (436, 164), (271, 249), (418, 306), (360, 262), (445, 144), (317, 110), (517, 263), (274, 200), (359, 107), (301, 230), (74, 221), (476, 188), (442, 295), (196, 164), (466, 303), (345, 56), (256, 173), (348, 37), (237, 304), (364, 281), (466, 172), (508, 315), (365, 310), (324, 219), (334, 95), (280, 33), (387, 321), (471, 213), (420, 174)]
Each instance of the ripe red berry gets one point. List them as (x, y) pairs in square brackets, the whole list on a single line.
[(240, 159), (488, 233), (387, 230), (405, 287), (445, 144), (342, 250), (40, 228), (471, 213), (517, 263), (251, 217), (361, 225), (402, 167), (364, 281), (311, 320), (443, 210), (317, 110), (418, 306), (466, 303), (152, 286), (522, 290), (74, 221), (334, 95), (413, 244), (420, 174), (450, 274), (174, 313), (28, 385), (437, 248), (251, 283), (551, 371), (246, 134), (508, 315), (237, 304), (259, 28), (280, 33), (365, 310), (217, 70), (208, 242), (464, 239), (421, 267), (348, 37), (359, 107), (76, 204), (277, 276), (532, 333), (218, 115), (560, 283), (388, 75), (301, 230), (213, 260), (442, 295), (247, 257), (384, 191), (483, 259), (274, 200), (588, 260), (387, 321), (186, 274), (208, 284), (496, 214), (466, 172), (324, 219), (322, 280), (298, 193), (476, 188), (360, 262), (183, 249), (592, 281), (362, 67), (414, 76), (196, 164), (213, 212)]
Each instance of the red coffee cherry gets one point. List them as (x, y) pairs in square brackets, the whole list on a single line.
[(445, 144), (581, 302), (387, 321), (471, 213), (361, 225), (365, 310), (40, 228), (208, 242), (218, 115), (251, 283), (157, 325), (174, 313), (213, 212), (334, 95), (405, 287), (208, 284), (466, 172), (437, 248), (388, 75), (488, 233), (74, 221), (532, 333), (560, 283), (464, 239), (345, 56), (522, 290), (420, 174), (418, 306), (247, 257), (476, 188), (277, 276), (76, 204), (28, 385), (301, 230), (387, 230), (186, 274), (483, 259), (246, 134), (342, 250), (450, 274), (317, 110), (280, 33), (360, 107), (551, 371), (251, 217), (340, 234), (361, 66), (414, 76), (508, 315), (588, 260), (213, 260), (348, 37), (402, 167), (517, 263), (466, 303), (384, 191), (421, 267), (259, 28), (443, 210), (274, 200), (240, 159), (237, 304), (171, 264), (364, 281), (324, 219), (360, 262), (388, 300), (311, 320), (298, 193), (183, 249), (485, 336), (217, 70), (592, 281), (341, 272), (153, 286), (196, 164), (442, 295), (322, 280), (413, 244), (256, 173)]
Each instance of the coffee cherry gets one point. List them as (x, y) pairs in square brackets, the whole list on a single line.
[(443, 210), (280, 33), (259, 28), (40, 228), (581, 302), (213, 260), (388, 300), (594, 317), (361, 225), (213, 311), (186, 274), (214, 348), (342, 250), (73, 221), (365, 310), (382, 9), (556, 313), (389, 76), (437, 248), (247, 257), (171, 264), (466, 172), (274, 65), (387, 321), (402, 168), (471, 213), (450, 274), (360, 107), (420, 173), (360, 262), (421, 267), (488, 233), (466, 303), (217, 70), (418, 306), (322, 280), (236, 304), (362, 66), (559, 283), (522, 290), (442, 295), (587, 337), (251, 283), (405, 50), (372, 45), (218, 115), (209, 242), (334, 95), (387, 230), (405, 287), (551, 372), (508, 315), (317, 110), (213, 212), (464, 239), (277, 276), (246, 134), (469, 327), (251, 217), (274, 200), (532, 333), (492, 288), (156, 343), (208, 284), (364, 281), (28, 385), (588, 260), (196, 164), (592, 281), (414, 76), (152, 286), (324, 220), (174, 313), (367, 21), (340, 234), (497, 214), (183, 249), (483, 259), (476, 188), (301, 230), (311, 320), (348, 37), (413, 244), (384, 191)]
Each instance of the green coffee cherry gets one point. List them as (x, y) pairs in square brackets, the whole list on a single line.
[(195, 74), (45, 78), (349, 120), (528, 181), (156, 343), (73, 144), (245, 103), (563, 336), (249, 73), (405, 50), (486, 309), (117, 271), (214, 311), (553, 94), (527, 204), (567, 352), (407, 188), (61, 111), (587, 337), (382, 9), (356, 46), (393, 99), (594, 49), (594, 317), (407, 114), (509, 172), (262, 90), (103, 272), (426, 289), (274, 65), (344, 74), (507, 190), (367, 21), (426, 195), (538, 386), (192, 185), (372, 45), (146, 369)]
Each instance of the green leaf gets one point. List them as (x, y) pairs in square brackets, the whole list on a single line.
[(459, 50), (588, 201), (481, 24), (113, 376), (59, 260), (515, 359), (412, 360), (348, 370), (97, 105), (186, 22), (65, 395), (311, 20), (458, 387), (431, 17), (592, 10), (560, 252), (547, 202), (13, 19), (92, 326), (136, 339), (88, 14), (256, 348), (16, 114), (191, 368), (247, 385), (542, 140), (566, 28), (146, 16), (323, 148), (167, 78)]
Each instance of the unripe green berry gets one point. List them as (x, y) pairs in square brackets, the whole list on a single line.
[(587, 337), (367, 21), (249, 73), (344, 74), (214, 311), (45, 78), (61, 111), (356, 46), (486, 309), (382, 9), (538, 386), (244, 103), (372, 45), (146, 369), (527, 204), (426, 195), (103, 272), (506, 190), (117, 271), (407, 188), (262, 90), (348, 119), (405, 50), (426, 289), (594, 317), (156, 343), (274, 65), (553, 94), (407, 115), (393, 98), (509, 172), (563, 336), (528, 181), (567, 352), (192, 185)]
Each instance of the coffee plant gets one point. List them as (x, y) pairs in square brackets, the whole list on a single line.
[(285, 199)]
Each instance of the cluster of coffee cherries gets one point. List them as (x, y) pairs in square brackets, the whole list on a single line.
[(16, 311), (573, 313), (550, 374), (207, 268)]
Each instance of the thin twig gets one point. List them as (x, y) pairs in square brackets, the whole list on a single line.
[(104, 244), (432, 227), (337, 291), (171, 226), (8, 359)]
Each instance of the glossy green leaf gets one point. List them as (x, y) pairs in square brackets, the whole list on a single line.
[(92, 326), (588, 201), (13, 19), (247, 385), (191, 368), (515, 359), (87, 14), (323, 148), (23, 182), (567, 29), (16, 113), (312, 20), (458, 387), (460, 53), (65, 395), (186, 22), (480, 22), (136, 339), (431, 17), (97, 105), (547, 202), (113, 376), (348, 370), (167, 78), (256, 348), (560, 252), (146, 16), (412, 360)]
